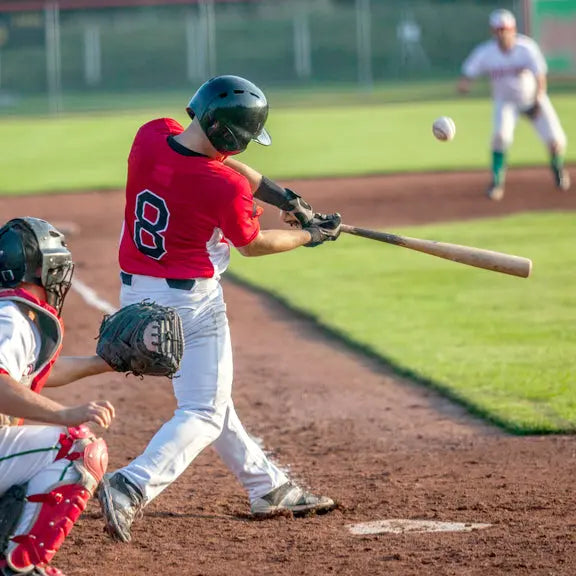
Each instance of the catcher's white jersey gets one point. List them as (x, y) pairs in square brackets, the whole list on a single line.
[(19, 341), (513, 73)]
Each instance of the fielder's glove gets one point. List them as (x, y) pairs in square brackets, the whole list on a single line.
[(143, 338), (323, 228), (533, 111)]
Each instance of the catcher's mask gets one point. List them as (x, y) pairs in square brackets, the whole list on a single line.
[(231, 111), (32, 250)]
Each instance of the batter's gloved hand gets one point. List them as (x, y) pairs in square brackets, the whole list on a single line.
[(143, 338), (533, 111), (323, 228), (297, 206)]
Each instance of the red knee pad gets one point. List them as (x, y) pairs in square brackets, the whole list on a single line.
[(89, 454)]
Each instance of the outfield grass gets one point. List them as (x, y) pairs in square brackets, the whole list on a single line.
[(80, 151), (501, 345)]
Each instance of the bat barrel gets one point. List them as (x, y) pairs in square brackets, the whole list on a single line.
[(477, 257)]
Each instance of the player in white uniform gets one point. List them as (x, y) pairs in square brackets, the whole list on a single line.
[(517, 70), (47, 473)]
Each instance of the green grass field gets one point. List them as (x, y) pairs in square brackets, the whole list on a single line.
[(88, 151), (501, 345)]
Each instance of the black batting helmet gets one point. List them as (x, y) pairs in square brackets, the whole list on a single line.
[(32, 250), (232, 111)]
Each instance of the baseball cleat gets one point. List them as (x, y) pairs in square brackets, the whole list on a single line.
[(291, 498), (121, 502), (562, 179), (495, 192)]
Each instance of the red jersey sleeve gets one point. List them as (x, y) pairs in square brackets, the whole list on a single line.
[(240, 222)]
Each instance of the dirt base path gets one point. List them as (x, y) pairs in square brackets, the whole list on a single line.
[(383, 447)]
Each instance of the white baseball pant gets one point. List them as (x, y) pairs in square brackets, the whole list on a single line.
[(27, 454), (547, 124), (203, 389)]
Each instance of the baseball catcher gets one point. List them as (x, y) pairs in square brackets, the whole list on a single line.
[(48, 471), (143, 339)]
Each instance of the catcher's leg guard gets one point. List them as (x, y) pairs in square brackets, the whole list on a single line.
[(40, 537), (11, 506)]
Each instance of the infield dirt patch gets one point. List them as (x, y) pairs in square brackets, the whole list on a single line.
[(382, 446)]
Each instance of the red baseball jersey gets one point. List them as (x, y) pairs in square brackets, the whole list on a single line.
[(182, 208)]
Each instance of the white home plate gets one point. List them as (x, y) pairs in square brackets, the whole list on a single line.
[(398, 526)]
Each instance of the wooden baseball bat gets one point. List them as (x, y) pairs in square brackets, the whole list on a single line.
[(486, 259)]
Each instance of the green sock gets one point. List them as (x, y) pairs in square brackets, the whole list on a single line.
[(557, 162), (498, 167)]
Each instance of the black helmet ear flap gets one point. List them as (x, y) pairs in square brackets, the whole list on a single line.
[(227, 141), (12, 258)]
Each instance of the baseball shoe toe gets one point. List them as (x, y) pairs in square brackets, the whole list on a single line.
[(495, 192), (292, 498), (121, 502), (562, 180)]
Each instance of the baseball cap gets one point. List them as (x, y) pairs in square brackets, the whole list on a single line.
[(502, 19)]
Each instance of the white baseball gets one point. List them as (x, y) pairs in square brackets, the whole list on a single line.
[(444, 128)]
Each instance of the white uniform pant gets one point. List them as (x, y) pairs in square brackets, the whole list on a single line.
[(203, 387), (546, 124), (27, 454)]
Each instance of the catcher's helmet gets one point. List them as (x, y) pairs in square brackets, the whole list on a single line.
[(32, 250), (232, 111)]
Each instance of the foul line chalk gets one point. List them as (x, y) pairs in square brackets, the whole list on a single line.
[(91, 298), (399, 526)]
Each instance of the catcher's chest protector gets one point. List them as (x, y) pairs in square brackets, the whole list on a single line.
[(51, 330)]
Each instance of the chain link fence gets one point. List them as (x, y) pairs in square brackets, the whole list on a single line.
[(52, 52)]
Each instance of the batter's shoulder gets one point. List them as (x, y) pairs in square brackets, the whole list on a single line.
[(161, 126), (234, 180)]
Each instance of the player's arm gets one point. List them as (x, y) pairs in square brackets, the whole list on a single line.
[(253, 177), (537, 65), (272, 193), (464, 84), (20, 402), (241, 227), (471, 69), (275, 241), (68, 369), (541, 85)]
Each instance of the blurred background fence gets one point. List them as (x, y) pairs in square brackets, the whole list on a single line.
[(89, 48)]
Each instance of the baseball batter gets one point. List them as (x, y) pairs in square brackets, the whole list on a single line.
[(517, 71), (48, 472), (187, 203)]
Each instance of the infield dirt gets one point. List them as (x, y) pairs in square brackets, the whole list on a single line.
[(382, 446)]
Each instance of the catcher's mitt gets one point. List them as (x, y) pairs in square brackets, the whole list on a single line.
[(143, 338)]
